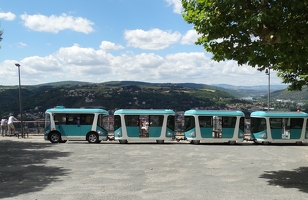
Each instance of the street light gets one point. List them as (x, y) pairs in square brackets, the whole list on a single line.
[(20, 104), (267, 72)]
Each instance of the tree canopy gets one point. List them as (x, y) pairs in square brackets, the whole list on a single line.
[(261, 33)]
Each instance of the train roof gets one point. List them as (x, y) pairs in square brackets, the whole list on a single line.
[(145, 111), (62, 109), (215, 112), (278, 114)]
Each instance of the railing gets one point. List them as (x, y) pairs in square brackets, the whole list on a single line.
[(30, 127), (37, 127)]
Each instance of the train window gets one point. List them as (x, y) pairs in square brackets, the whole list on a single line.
[(117, 122), (86, 119), (276, 123), (156, 120), (189, 122), (228, 122), (205, 121), (102, 121), (296, 123), (242, 124), (257, 124), (131, 120), (59, 118), (171, 122)]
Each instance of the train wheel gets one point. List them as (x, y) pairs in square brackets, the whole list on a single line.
[(195, 141), (299, 143), (93, 138), (232, 142), (123, 141), (160, 141), (54, 137)]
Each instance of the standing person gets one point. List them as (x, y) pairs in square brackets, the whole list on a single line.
[(3, 126), (10, 124)]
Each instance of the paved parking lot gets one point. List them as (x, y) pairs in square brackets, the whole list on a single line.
[(35, 169)]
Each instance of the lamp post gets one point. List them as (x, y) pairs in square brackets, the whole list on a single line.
[(267, 72), (20, 104)]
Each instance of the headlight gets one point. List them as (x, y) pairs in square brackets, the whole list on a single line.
[(263, 135), (99, 132), (192, 134), (119, 134), (169, 134)]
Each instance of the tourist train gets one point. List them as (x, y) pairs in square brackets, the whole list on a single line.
[(158, 125)]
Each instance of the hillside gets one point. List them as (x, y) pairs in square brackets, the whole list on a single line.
[(112, 95), (250, 91), (299, 96)]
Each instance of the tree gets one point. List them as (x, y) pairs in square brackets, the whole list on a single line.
[(260, 33)]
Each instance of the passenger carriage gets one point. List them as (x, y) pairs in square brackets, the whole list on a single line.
[(210, 126), (144, 125), (62, 124), (279, 127)]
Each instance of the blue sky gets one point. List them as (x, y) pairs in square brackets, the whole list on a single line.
[(109, 40)]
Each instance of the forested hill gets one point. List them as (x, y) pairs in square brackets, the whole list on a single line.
[(112, 95)]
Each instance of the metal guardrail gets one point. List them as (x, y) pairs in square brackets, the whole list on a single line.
[(30, 127)]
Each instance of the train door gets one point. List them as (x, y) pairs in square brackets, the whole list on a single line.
[(155, 125), (277, 128), (206, 126), (228, 126), (68, 125), (132, 125), (296, 127)]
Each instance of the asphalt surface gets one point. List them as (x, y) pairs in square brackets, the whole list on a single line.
[(35, 169)]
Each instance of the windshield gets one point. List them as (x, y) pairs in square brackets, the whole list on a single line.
[(47, 121)]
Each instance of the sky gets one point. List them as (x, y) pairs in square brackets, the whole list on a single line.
[(109, 40)]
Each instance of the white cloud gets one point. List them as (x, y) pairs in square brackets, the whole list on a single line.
[(36, 64), (177, 5), (78, 56), (107, 46), (7, 16), (154, 39), (95, 65), (190, 37), (21, 45), (54, 24)]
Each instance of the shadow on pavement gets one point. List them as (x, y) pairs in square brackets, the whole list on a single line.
[(23, 167), (297, 178)]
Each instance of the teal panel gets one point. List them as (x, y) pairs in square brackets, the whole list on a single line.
[(132, 131), (276, 133), (118, 132), (85, 129), (240, 132), (170, 131), (187, 133), (227, 132), (295, 133), (206, 132), (155, 131)]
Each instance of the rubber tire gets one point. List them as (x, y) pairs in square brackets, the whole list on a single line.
[(195, 141), (160, 141), (232, 142), (54, 137), (93, 138), (122, 141)]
